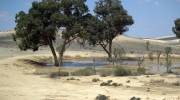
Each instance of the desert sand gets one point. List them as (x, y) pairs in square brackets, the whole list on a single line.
[(19, 83)]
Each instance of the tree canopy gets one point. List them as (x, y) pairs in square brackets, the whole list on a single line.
[(38, 27), (176, 29), (73, 18), (110, 21)]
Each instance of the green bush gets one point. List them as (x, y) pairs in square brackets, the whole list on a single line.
[(120, 71), (141, 70), (84, 72)]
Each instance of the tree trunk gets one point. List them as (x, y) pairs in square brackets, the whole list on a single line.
[(61, 53), (110, 50), (56, 63)]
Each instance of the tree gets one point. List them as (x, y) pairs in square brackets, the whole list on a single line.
[(110, 21), (168, 51), (147, 45), (176, 29), (118, 53), (158, 54), (38, 27), (73, 19)]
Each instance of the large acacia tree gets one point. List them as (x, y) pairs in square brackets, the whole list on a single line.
[(110, 21), (73, 19), (38, 27)]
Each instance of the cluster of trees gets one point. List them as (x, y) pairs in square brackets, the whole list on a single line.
[(39, 26)]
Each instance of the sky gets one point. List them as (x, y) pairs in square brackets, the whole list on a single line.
[(153, 18)]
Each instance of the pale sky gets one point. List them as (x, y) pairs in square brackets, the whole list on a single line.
[(153, 18)]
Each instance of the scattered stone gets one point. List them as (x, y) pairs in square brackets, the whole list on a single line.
[(104, 84), (109, 81), (102, 97), (95, 80), (134, 98), (72, 78), (148, 90), (128, 81), (115, 84)]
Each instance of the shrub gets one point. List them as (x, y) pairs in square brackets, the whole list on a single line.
[(72, 78), (105, 72), (57, 74), (141, 70), (119, 71), (95, 80), (128, 81), (135, 98), (84, 72), (176, 83), (104, 84), (102, 97), (109, 81), (157, 82), (115, 84)]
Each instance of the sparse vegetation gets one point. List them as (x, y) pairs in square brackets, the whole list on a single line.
[(111, 83), (135, 98), (105, 72), (140, 61), (118, 53), (141, 70), (147, 45), (158, 54), (84, 72), (151, 56), (102, 97), (177, 83), (168, 52), (95, 80), (72, 78), (58, 74), (120, 71)]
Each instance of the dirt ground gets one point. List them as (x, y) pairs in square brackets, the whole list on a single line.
[(17, 82)]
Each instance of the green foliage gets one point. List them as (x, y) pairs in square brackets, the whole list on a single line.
[(84, 72), (141, 70), (110, 21), (176, 29), (38, 27), (73, 18), (120, 71)]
